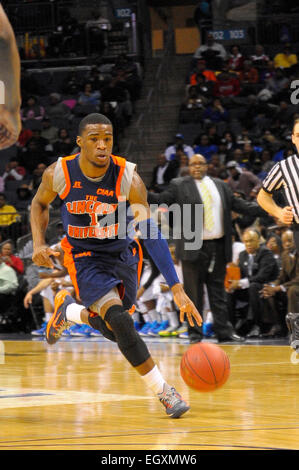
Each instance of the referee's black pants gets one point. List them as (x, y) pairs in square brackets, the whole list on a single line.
[(209, 268)]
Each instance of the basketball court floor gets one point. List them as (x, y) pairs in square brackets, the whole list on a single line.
[(81, 394)]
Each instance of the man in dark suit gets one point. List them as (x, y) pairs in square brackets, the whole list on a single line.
[(257, 266), (284, 291), (204, 262), (163, 173)]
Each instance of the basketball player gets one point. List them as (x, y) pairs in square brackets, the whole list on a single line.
[(285, 174), (97, 189), (10, 96)]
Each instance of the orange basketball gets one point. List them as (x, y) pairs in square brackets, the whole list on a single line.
[(205, 367)]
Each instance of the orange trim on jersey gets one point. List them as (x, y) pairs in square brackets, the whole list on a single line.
[(66, 175), (140, 262), (69, 263), (121, 162)]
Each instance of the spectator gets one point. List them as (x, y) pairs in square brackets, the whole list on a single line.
[(215, 112), (204, 147), (32, 155), (8, 285), (37, 177), (8, 218), (98, 27), (119, 98), (241, 179), (63, 146), (236, 59), (89, 96), (258, 266), (49, 132), (129, 76), (277, 84), (57, 109), (178, 143), (201, 70), (24, 198), (32, 110), (10, 259), (268, 72), (213, 53), (249, 78), (274, 244), (259, 59), (283, 293), (163, 172), (14, 171), (24, 136), (285, 59), (227, 86)]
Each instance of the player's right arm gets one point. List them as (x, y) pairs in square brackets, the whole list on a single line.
[(10, 121), (39, 219), (284, 214)]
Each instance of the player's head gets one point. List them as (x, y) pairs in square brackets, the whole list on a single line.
[(95, 139)]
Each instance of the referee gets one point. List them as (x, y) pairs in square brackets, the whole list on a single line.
[(285, 174)]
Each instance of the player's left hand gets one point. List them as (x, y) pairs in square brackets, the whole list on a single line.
[(10, 128), (185, 305)]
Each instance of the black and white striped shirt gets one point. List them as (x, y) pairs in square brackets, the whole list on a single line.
[(285, 174)]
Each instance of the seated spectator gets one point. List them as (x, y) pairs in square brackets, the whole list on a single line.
[(201, 69), (204, 147), (32, 155), (242, 180), (163, 173), (229, 141), (10, 259), (213, 53), (277, 84), (249, 78), (236, 59), (194, 100), (259, 59), (56, 108), (24, 136), (274, 244), (14, 171), (89, 96), (227, 87), (215, 112), (267, 72), (129, 77), (49, 132), (285, 59), (283, 293), (204, 88), (211, 130), (118, 96), (8, 213), (63, 146), (258, 267), (42, 143), (32, 110), (8, 285), (178, 143), (36, 178), (24, 198)]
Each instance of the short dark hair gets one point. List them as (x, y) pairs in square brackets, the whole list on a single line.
[(93, 118)]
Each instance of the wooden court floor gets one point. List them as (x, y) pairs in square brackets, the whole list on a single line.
[(81, 394)]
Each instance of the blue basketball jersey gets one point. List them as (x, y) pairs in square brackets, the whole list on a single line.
[(94, 212)]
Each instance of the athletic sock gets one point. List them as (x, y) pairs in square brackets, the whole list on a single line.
[(48, 316), (73, 313), (154, 380)]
